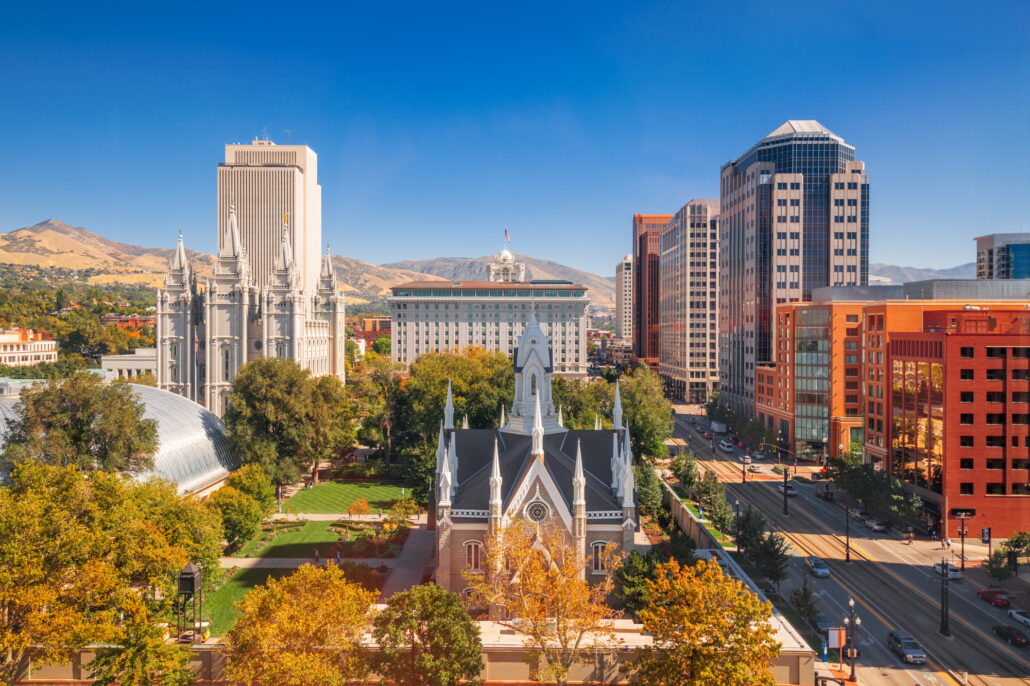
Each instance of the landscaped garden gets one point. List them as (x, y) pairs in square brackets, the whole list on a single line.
[(336, 497), (301, 539)]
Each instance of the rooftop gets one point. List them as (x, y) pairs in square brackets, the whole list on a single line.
[(793, 126)]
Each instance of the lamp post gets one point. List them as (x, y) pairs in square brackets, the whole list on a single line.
[(786, 477), (945, 610), (779, 448), (743, 471), (847, 535), (736, 506), (851, 623)]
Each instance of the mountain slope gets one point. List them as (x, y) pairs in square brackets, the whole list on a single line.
[(898, 274), (602, 290)]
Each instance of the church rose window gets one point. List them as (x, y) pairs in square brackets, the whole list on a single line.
[(536, 512)]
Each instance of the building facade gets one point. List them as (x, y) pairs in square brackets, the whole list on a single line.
[(688, 302), (437, 316), (532, 470), (624, 298), (647, 229), (256, 304), (24, 347), (131, 364), (794, 217), (1003, 256)]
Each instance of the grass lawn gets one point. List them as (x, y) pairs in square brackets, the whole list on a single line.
[(296, 541), (334, 497), (218, 605)]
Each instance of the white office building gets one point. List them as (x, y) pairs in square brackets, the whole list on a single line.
[(624, 298)]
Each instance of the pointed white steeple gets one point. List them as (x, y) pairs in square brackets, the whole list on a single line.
[(616, 461), (561, 421), (538, 430), (179, 262), (597, 422), (446, 483), (617, 408), (504, 420), (448, 409), (495, 477), (465, 422), (627, 487), (284, 258), (579, 482), (327, 264), (233, 244), (440, 442)]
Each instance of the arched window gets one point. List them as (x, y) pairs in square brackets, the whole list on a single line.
[(532, 384), (173, 372), (597, 549), (473, 555), (226, 363)]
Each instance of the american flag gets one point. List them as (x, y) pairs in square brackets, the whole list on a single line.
[(196, 349), (507, 237)]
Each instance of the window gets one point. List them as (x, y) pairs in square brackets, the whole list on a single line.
[(852, 202), (996, 353), (995, 489), (838, 235), (795, 235), (226, 363), (781, 235), (838, 202), (853, 185), (851, 319), (597, 549), (1020, 396), (852, 219), (965, 489), (995, 442), (966, 419), (965, 463), (995, 397), (838, 219), (781, 186), (1021, 419), (795, 186), (795, 219), (996, 374), (966, 396), (473, 555), (1021, 374), (966, 374), (966, 353), (965, 441), (532, 384), (995, 418), (781, 220), (782, 202), (838, 185), (995, 463)]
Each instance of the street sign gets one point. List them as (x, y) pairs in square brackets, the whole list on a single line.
[(836, 637), (985, 535), (962, 512)]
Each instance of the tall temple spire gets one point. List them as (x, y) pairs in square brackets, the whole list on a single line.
[(179, 262), (615, 461), (538, 429), (448, 409), (446, 483), (233, 244), (627, 486), (327, 264), (495, 477), (617, 408), (579, 481), (284, 258)]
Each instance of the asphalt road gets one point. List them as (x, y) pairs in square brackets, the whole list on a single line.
[(893, 585)]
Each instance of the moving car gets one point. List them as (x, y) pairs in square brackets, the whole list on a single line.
[(825, 493), (995, 597), (725, 446), (906, 647), (788, 488), (744, 459), (876, 524), (754, 468), (816, 567), (951, 570), (760, 455), (1011, 635), (708, 435), (856, 513), (1021, 616), (822, 623)]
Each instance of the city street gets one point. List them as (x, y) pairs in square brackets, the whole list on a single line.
[(893, 584)]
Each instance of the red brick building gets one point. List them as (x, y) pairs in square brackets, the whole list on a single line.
[(647, 230), (959, 418)]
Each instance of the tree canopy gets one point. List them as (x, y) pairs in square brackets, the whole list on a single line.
[(84, 422)]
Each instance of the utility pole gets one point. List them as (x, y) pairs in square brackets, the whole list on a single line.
[(945, 613), (786, 477)]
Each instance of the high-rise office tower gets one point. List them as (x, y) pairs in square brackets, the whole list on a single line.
[(271, 185), (624, 298), (795, 216), (1003, 256), (646, 230), (688, 302)]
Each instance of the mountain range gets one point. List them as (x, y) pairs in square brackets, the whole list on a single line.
[(53, 243)]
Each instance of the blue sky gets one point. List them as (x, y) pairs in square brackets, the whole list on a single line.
[(439, 124)]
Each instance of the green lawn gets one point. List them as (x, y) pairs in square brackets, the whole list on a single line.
[(218, 605), (296, 541), (334, 497)]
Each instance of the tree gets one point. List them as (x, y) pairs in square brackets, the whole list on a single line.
[(750, 530), (583, 401), (351, 351), (305, 628), (241, 514), (684, 468), (328, 427), (536, 582), (804, 601), (266, 416), (1019, 542), (376, 388), (381, 345), (142, 656), (647, 412), (426, 638), (632, 577), (358, 507), (253, 480), (74, 545), (998, 567), (708, 630), (84, 422), (649, 489), (721, 514), (770, 557)]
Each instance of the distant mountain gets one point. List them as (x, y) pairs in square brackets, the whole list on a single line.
[(896, 274), (601, 290)]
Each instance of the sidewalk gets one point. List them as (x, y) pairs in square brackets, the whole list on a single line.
[(333, 517), (294, 562), (409, 567)]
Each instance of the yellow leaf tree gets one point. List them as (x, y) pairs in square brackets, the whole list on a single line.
[(304, 629), (535, 583), (708, 629)]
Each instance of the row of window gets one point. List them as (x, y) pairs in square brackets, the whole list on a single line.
[(474, 556), (994, 418), (995, 374), (995, 397), (994, 489), (993, 441)]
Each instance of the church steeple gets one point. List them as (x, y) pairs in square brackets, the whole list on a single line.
[(538, 430), (579, 481), (233, 246), (179, 261), (533, 372), (617, 408), (448, 409), (495, 478)]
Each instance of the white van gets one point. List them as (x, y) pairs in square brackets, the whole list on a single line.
[(725, 446)]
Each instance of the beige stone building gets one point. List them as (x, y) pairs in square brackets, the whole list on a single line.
[(531, 469), (24, 347)]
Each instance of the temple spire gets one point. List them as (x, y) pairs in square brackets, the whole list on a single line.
[(617, 408), (561, 421), (615, 462), (627, 486), (495, 477), (538, 429), (284, 260), (327, 264), (465, 422), (234, 246), (579, 482), (448, 409), (446, 484), (179, 261)]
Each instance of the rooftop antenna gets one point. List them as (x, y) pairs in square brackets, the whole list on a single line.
[(264, 132), (287, 132)]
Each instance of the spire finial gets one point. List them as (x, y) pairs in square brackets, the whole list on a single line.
[(579, 482), (538, 429), (448, 409), (495, 477), (561, 421), (504, 419)]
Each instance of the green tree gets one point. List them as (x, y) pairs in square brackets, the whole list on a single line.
[(750, 530), (998, 566), (427, 638), (684, 468), (253, 480), (329, 426), (381, 345), (351, 351), (1019, 542), (632, 577), (770, 556), (241, 514), (721, 514), (583, 401), (142, 656), (376, 389), (266, 416), (804, 601), (647, 412), (649, 489), (84, 422)]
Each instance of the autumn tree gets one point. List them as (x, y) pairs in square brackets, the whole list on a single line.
[(358, 507), (84, 422), (328, 426), (708, 629), (241, 514), (306, 628), (266, 415), (138, 654), (253, 480), (426, 638), (536, 581)]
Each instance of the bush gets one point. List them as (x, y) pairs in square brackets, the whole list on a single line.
[(241, 515), (253, 480)]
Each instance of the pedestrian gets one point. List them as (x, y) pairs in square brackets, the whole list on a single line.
[(317, 557), (911, 535), (947, 542), (339, 562)]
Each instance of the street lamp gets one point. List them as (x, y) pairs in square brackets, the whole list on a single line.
[(786, 477), (779, 448), (847, 534), (736, 505), (945, 609), (851, 623), (743, 471)]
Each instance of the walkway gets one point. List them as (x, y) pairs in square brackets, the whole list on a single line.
[(410, 566), (337, 517), (294, 562)]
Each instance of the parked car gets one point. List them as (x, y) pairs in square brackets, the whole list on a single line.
[(760, 455), (856, 513), (995, 597), (744, 459), (821, 475), (906, 647), (1012, 635), (822, 623), (876, 524), (708, 435), (1021, 616), (825, 493), (788, 488), (816, 567), (754, 468), (954, 572), (725, 446)]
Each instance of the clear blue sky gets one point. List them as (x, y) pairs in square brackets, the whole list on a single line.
[(437, 124)]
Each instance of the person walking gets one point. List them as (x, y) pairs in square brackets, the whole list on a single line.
[(318, 556), (911, 536)]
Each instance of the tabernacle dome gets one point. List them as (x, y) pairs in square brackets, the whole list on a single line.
[(193, 450)]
